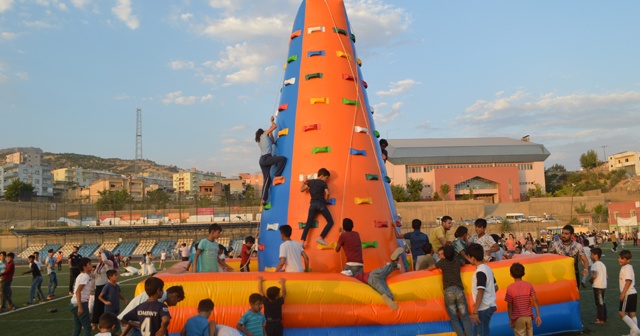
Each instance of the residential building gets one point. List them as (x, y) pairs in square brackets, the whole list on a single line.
[(80, 176), (624, 215), (134, 186), (39, 177), (255, 179), (491, 169), (629, 161), (187, 181)]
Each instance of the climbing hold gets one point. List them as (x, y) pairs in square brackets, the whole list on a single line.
[(340, 31), (313, 75), (398, 223), (267, 206), (292, 58), (261, 247), (366, 86), (380, 223), (272, 227), (326, 149), (283, 132), (270, 269), (359, 129), (283, 107), (349, 101), (278, 180), (353, 38), (315, 53), (290, 81), (371, 108), (376, 133), (363, 200), (313, 127), (359, 61), (295, 34), (353, 151), (387, 179), (348, 77), (319, 100), (331, 246), (373, 244), (301, 225), (371, 177), (315, 29), (331, 201), (343, 54)]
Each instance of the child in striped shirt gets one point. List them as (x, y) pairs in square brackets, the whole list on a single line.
[(519, 296)]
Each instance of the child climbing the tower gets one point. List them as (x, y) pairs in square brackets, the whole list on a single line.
[(273, 302), (268, 159), (352, 244), (319, 192), (377, 278)]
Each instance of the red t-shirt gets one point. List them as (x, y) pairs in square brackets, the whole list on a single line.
[(352, 245), (519, 295), (7, 275), (244, 254)]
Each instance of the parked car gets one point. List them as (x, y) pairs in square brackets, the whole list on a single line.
[(550, 219), (494, 219), (534, 219), (467, 221)]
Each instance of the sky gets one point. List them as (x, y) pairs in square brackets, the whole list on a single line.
[(207, 74)]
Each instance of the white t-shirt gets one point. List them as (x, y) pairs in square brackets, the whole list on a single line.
[(163, 256), (601, 275), (527, 252), (185, 252), (292, 251), (489, 297), (626, 273), (223, 330), (82, 279)]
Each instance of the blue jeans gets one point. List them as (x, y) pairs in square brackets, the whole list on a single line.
[(483, 329), (53, 283), (81, 322), (454, 302), (266, 161), (378, 278), (36, 285), (6, 294), (314, 208)]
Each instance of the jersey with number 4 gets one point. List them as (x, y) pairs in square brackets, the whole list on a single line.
[(149, 314)]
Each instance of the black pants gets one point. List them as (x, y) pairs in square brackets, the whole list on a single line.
[(98, 306), (73, 274), (601, 307), (245, 267), (266, 161), (615, 246), (314, 208), (7, 294), (274, 328)]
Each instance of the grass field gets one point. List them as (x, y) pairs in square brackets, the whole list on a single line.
[(36, 320)]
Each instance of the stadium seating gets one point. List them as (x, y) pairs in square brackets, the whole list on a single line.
[(188, 241), (167, 245), (108, 245), (46, 248), (68, 248), (29, 250), (126, 247), (146, 245), (87, 249)]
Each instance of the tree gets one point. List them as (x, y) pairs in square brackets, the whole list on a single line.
[(536, 192), (505, 226), (18, 191), (444, 190), (203, 201), (414, 189), (158, 198), (581, 209), (113, 200), (399, 193), (250, 197), (601, 213), (589, 159), (436, 196)]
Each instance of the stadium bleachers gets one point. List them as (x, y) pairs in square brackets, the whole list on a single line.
[(167, 245), (29, 250), (87, 249), (44, 253), (126, 247), (108, 245), (188, 241), (146, 245), (68, 248)]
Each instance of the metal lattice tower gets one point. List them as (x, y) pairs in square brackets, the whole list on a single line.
[(138, 161)]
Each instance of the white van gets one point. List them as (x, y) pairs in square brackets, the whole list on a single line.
[(516, 217)]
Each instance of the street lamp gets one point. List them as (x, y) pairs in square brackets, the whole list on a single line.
[(572, 193)]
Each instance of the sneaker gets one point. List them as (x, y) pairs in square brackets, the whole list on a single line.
[(321, 241), (396, 254), (389, 302), (70, 293), (598, 321), (49, 297)]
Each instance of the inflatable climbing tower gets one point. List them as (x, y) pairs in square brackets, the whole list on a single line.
[(324, 121)]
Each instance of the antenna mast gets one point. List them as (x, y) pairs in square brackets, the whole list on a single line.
[(138, 161)]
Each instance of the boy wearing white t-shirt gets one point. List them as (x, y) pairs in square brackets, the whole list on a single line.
[(80, 300), (628, 294), (599, 282), (483, 289), (291, 253)]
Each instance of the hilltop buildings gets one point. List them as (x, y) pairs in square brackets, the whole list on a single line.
[(26, 166)]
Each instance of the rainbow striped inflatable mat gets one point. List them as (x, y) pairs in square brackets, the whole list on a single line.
[(334, 304)]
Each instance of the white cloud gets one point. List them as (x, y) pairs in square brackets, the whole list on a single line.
[(206, 98), (7, 36), (5, 5), (229, 141), (176, 97), (178, 65), (376, 23), (238, 149), (186, 16), (238, 128), (237, 28), (37, 24), (22, 75), (124, 12), (385, 118), (396, 88), (80, 3)]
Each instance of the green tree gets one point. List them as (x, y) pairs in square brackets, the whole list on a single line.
[(158, 198), (581, 209), (505, 226), (399, 193), (250, 197), (444, 190), (436, 196), (536, 192), (589, 159), (601, 213), (222, 202), (203, 201), (18, 191), (414, 189), (113, 200)]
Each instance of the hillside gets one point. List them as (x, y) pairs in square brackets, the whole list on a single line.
[(114, 165)]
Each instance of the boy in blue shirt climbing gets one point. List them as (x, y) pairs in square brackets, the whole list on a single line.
[(319, 196), (416, 238), (200, 325)]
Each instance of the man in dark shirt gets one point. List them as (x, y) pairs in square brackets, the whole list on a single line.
[(152, 315), (416, 238), (454, 299), (319, 195), (74, 271), (36, 281), (352, 247)]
